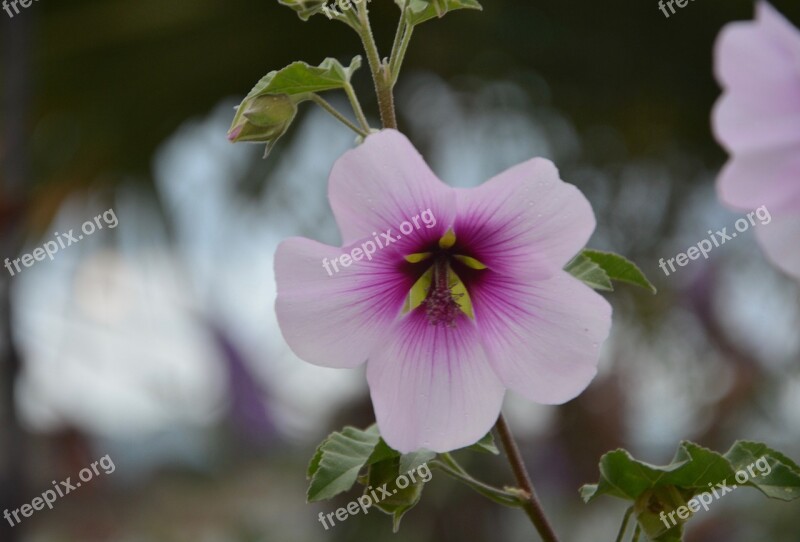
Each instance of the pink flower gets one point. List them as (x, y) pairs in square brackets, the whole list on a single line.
[(757, 120), (452, 314)]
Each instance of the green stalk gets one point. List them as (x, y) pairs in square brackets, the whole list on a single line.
[(624, 526), (447, 464), (359, 112), (400, 54), (338, 116), (532, 505)]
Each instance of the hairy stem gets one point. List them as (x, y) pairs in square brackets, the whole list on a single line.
[(381, 75), (532, 505)]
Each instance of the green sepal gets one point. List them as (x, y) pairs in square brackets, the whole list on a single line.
[(401, 500), (485, 445)]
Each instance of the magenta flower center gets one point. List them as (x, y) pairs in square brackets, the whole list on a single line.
[(441, 276)]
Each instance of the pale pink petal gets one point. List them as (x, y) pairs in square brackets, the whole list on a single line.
[(770, 178), (758, 65), (384, 183), (542, 337), (750, 57), (432, 386), (525, 221), (780, 28), (780, 239), (749, 124), (334, 319)]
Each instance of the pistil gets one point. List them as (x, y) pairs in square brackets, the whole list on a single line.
[(441, 305)]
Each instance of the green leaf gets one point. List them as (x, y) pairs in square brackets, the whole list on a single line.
[(693, 471), (338, 460), (412, 461), (693, 467), (619, 268), (485, 445), (304, 8), (584, 269), (385, 475), (419, 11), (299, 77), (267, 112), (777, 476)]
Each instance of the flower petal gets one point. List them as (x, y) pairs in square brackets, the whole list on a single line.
[(767, 178), (543, 338), (780, 240), (758, 65), (785, 34), (748, 124), (754, 55), (334, 318), (432, 386), (526, 221), (384, 183)]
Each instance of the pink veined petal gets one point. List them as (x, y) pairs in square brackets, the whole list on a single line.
[(432, 386), (780, 240), (767, 178), (542, 337), (525, 221), (336, 319), (384, 183)]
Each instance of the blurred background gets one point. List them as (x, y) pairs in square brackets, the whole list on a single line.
[(155, 342)]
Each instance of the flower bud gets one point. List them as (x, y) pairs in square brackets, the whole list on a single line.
[(262, 118)]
